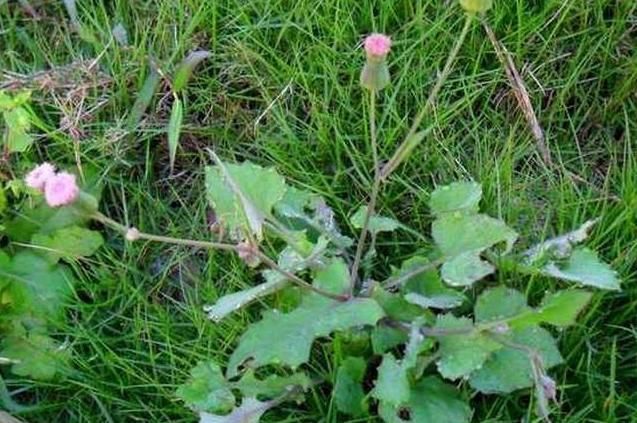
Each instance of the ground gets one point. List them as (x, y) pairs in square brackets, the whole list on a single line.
[(281, 88)]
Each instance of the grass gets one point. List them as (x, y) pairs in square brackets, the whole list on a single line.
[(282, 89)]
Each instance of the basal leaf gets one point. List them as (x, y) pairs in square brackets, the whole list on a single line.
[(396, 306), (70, 243), (456, 197), (286, 339), (18, 123), (459, 233), (427, 284), (348, 389), (557, 309), (561, 246), (430, 401), (392, 384), (242, 202), (377, 223), (585, 267), (465, 269), (272, 386), (510, 369), (440, 302), (385, 338), (465, 352), (35, 355)]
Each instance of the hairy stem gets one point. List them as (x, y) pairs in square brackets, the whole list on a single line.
[(224, 247), (374, 195), (407, 145)]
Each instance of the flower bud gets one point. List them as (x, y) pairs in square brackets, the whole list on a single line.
[(132, 234), (375, 73), (476, 6)]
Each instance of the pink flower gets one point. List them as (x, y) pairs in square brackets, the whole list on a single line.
[(61, 190), (377, 44), (38, 177)]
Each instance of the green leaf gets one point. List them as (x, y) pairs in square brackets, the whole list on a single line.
[(143, 99), (558, 309), (441, 302), (585, 267), (36, 355), (465, 269), (384, 338), (392, 385), (174, 130), (18, 123), (250, 411), (348, 390), (465, 352), (396, 306), (186, 68), (427, 284), (44, 288), (207, 389), (499, 303), (377, 223), (561, 246), (273, 386), (510, 369), (458, 196), (286, 339), (69, 243), (458, 233), (431, 401), (243, 195)]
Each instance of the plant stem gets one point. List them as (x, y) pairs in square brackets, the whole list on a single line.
[(401, 279), (405, 148), (221, 246), (374, 195)]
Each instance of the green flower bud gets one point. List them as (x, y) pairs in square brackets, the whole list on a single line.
[(375, 75), (476, 6)]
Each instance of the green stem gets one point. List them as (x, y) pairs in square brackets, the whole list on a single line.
[(220, 246), (407, 145), (374, 195)]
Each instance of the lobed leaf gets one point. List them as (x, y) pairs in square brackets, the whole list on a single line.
[(72, 242), (295, 331), (377, 223), (456, 197), (465, 269), (348, 390), (392, 384), (35, 355), (585, 267)]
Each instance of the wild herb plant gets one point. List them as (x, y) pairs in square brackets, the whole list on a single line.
[(408, 343)]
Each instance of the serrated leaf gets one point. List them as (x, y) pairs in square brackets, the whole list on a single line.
[(207, 389), (272, 386), (465, 269), (392, 384), (187, 67), (293, 333), (431, 401), (510, 369), (250, 411), (377, 223), (395, 305), (174, 130), (557, 309), (499, 303), (35, 355), (348, 389), (465, 352), (242, 195), (456, 197), (459, 233), (585, 267), (69, 243)]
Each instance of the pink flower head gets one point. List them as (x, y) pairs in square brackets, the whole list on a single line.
[(377, 45), (38, 177), (61, 190)]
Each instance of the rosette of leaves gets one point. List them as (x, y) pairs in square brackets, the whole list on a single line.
[(416, 334), (36, 282)]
